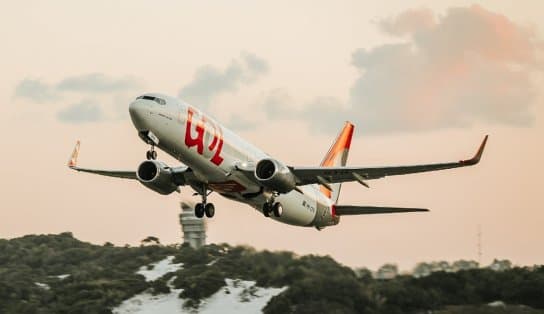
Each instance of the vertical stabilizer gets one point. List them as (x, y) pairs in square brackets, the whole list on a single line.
[(337, 156)]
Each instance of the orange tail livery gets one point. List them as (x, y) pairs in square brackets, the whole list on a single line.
[(337, 156)]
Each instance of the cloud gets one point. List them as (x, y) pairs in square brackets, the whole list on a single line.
[(324, 114), (277, 103), (36, 91), (408, 22), (465, 67), (240, 123), (95, 96), (82, 112), (97, 83), (210, 81)]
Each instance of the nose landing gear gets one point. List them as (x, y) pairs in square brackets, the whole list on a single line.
[(151, 139), (151, 154)]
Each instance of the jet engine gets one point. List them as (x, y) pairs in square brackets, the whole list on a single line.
[(275, 176), (157, 176)]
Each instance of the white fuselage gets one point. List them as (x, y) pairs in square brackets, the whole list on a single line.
[(213, 153)]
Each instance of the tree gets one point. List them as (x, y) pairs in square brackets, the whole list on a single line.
[(151, 240)]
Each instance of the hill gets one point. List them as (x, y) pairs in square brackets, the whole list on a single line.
[(60, 274)]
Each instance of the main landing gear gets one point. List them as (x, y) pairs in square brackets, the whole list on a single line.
[(151, 154), (271, 207), (204, 208)]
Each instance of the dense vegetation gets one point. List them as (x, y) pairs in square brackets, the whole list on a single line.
[(101, 277)]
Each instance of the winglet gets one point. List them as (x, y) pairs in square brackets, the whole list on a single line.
[(476, 159), (72, 163)]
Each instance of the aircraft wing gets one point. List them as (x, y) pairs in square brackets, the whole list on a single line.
[(109, 173), (180, 175), (343, 210), (72, 164), (328, 175)]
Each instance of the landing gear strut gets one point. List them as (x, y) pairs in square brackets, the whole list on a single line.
[(151, 154), (267, 208), (204, 208)]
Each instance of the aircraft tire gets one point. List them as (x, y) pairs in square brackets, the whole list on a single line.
[(277, 209), (148, 155), (209, 209), (153, 154), (199, 210), (266, 209)]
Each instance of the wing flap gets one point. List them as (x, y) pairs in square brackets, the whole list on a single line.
[(345, 210)]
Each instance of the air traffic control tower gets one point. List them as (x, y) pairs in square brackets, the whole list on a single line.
[(193, 228)]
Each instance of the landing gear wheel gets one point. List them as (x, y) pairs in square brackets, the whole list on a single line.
[(199, 210), (151, 154), (277, 209), (209, 209), (267, 209)]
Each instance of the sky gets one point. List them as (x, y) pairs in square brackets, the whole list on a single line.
[(423, 81)]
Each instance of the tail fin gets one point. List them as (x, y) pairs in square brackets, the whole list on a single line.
[(338, 156)]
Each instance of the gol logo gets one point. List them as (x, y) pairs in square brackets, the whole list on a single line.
[(216, 145)]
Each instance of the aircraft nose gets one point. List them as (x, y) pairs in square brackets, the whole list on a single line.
[(137, 110), (134, 107)]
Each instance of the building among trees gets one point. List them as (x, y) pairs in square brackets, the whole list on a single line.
[(193, 228)]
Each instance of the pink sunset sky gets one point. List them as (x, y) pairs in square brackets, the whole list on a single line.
[(422, 82)]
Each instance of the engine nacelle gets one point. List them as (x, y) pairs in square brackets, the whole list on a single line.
[(275, 176), (157, 176)]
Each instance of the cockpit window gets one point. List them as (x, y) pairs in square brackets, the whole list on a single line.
[(158, 100)]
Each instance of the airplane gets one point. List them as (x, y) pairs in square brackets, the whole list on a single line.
[(214, 159)]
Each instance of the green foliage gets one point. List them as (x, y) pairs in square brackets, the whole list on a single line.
[(151, 240), (101, 277), (198, 282), (476, 286), (319, 282), (484, 309), (160, 286)]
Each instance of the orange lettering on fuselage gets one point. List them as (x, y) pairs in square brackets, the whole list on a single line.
[(215, 146), (197, 141)]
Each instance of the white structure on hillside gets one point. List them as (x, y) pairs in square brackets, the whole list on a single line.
[(193, 228)]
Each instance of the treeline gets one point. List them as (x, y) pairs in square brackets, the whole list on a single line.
[(33, 273), (78, 277), (318, 282)]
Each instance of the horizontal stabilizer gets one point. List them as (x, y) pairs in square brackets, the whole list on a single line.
[(343, 210)]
